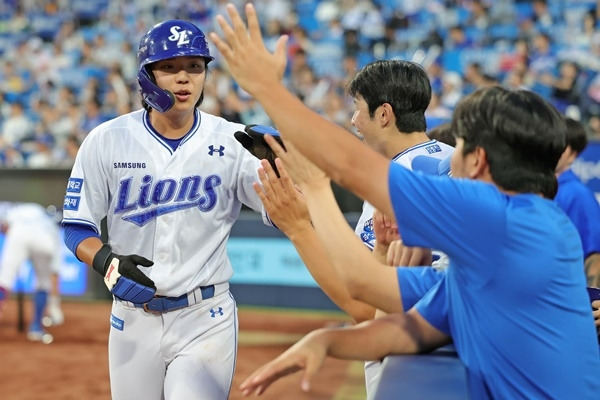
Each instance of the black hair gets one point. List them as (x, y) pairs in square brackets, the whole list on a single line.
[(576, 135), (522, 134), (443, 133), (404, 85)]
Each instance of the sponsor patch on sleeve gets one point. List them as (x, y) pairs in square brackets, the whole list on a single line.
[(434, 148), (116, 322), (74, 185), (71, 203)]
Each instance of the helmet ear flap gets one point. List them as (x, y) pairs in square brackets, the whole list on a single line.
[(160, 99)]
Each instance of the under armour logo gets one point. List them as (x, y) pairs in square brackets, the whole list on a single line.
[(214, 313), (213, 150), (179, 36)]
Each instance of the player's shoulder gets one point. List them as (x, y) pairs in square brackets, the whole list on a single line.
[(213, 124), (122, 122), (117, 126)]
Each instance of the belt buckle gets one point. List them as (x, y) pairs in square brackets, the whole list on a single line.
[(145, 308)]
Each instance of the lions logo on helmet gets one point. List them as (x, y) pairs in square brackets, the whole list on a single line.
[(169, 39)]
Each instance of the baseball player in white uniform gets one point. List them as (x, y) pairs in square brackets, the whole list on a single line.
[(171, 181), (383, 89), (31, 233)]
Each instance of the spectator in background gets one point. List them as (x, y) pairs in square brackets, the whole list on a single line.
[(565, 90), (16, 127), (474, 77), (457, 39), (579, 202), (452, 89), (543, 59), (542, 18)]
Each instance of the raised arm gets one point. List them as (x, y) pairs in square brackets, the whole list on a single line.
[(329, 146), (365, 278), (287, 209)]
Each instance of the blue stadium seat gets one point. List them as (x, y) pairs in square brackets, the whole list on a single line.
[(503, 31), (89, 9), (523, 9), (46, 26)]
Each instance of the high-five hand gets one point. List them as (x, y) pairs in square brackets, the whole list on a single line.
[(249, 61), (303, 172)]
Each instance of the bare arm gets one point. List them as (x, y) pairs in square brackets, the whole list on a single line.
[(88, 248), (592, 269), (365, 278), (288, 211), (371, 340), (329, 146)]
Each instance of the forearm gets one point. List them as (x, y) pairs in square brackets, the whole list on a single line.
[(592, 270), (365, 278), (378, 338), (317, 261), (88, 248)]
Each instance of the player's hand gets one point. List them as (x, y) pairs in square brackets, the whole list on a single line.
[(283, 203), (303, 172), (401, 255), (308, 355), (251, 64), (385, 229), (596, 312), (123, 277), (387, 237)]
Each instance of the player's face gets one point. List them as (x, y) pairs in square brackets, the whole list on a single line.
[(182, 76), (462, 166), (362, 121), (457, 162)]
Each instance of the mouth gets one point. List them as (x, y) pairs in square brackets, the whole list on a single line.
[(182, 95)]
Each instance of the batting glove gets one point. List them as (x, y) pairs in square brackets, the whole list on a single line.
[(253, 140), (122, 276)]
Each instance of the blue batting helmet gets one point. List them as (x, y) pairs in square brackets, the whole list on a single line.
[(173, 38)]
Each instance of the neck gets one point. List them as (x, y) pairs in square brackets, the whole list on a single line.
[(399, 142), (172, 125)]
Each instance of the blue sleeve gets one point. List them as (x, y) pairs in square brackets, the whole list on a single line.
[(434, 306), (446, 214), (75, 234), (579, 203), (415, 282)]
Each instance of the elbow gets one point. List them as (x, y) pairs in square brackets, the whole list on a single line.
[(356, 289)]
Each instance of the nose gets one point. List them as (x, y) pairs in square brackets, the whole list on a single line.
[(353, 119), (182, 76)]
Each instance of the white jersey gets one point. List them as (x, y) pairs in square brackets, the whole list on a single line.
[(175, 208)]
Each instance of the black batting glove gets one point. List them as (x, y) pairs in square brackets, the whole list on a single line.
[(123, 277)]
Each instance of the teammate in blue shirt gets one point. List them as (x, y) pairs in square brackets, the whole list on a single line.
[(513, 299), (578, 201)]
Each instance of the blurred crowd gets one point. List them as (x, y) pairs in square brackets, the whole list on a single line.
[(69, 65)]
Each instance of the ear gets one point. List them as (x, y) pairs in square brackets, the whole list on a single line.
[(385, 114), (571, 155), (479, 167)]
